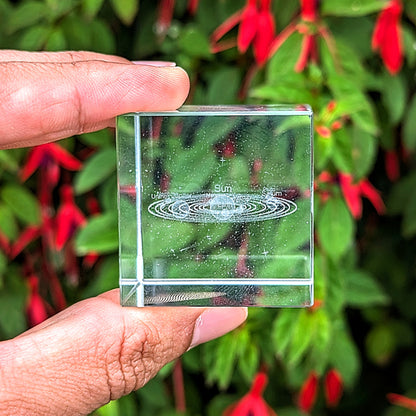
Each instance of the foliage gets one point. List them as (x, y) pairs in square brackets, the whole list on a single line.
[(365, 142)]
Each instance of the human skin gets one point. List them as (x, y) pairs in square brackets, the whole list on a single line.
[(95, 350)]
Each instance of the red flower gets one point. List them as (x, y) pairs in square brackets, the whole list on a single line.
[(36, 308), (354, 191), (49, 156), (68, 218), (128, 190), (402, 401), (29, 234), (248, 26), (164, 182), (241, 268), (309, 10), (265, 33), (325, 122), (308, 51), (308, 392), (193, 6), (392, 165), (256, 168), (252, 404), (4, 243), (164, 16), (333, 387), (256, 27), (387, 36), (310, 27), (227, 149)]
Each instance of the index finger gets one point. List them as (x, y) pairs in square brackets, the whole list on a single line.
[(41, 101)]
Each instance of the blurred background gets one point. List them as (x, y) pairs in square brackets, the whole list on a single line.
[(354, 62)]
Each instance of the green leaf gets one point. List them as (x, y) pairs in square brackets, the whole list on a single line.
[(283, 328), (34, 38), (125, 10), (91, 7), (102, 37), (342, 151), (153, 393), (409, 125), (220, 402), (353, 73), (223, 86), (8, 222), (97, 168), (100, 235), (56, 41), (22, 203), (165, 237), (321, 340), (364, 152), (209, 235), (335, 293), (26, 15), (3, 266), (299, 232), (351, 7), (323, 150), (77, 32), (248, 361), (381, 344), (398, 199), (395, 97), (106, 278), (302, 336), (409, 217), (220, 357), (365, 117), (101, 138), (363, 29), (12, 305), (362, 290), (194, 43), (8, 161), (108, 195), (410, 8), (335, 228), (343, 354), (110, 409)]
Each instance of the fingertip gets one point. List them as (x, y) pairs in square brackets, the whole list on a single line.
[(215, 322), (183, 81), (146, 88), (174, 82)]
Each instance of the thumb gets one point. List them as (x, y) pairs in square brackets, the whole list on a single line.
[(96, 351)]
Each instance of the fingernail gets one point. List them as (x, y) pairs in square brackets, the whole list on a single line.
[(155, 63), (214, 322)]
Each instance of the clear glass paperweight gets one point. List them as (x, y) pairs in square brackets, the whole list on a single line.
[(215, 206)]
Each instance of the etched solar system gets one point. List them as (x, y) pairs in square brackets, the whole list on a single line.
[(215, 206)]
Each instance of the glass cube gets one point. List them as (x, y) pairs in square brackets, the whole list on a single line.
[(215, 206)]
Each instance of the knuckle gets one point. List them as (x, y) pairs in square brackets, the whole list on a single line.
[(133, 360)]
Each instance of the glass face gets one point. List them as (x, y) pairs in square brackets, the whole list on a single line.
[(215, 206)]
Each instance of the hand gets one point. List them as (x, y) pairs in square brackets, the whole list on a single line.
[(95, 350)]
